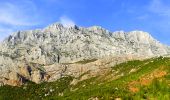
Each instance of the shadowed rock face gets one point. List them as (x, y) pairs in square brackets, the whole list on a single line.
[(27, 52)]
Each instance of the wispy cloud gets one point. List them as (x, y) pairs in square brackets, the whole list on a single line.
[(159, 7), (143, 17), (17, 15), (162, 11), (67, 22), (13, 14)]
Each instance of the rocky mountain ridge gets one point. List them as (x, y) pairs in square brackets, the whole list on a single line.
[(32, 55)]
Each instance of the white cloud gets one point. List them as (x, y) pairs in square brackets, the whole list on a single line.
[(67, 22), (21, 15), (16, 16), (143, 17), (159, 7), (162, 10)]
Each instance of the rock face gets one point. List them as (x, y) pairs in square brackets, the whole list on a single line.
[(30, 54), (37, 76)]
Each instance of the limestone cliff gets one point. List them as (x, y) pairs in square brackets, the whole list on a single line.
[(35, 54)]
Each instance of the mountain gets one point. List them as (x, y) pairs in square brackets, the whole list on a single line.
[(56, 51)]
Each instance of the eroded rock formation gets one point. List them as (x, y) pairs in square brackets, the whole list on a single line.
[(51, 53)]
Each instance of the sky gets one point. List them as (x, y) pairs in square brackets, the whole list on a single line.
[(152, 16)]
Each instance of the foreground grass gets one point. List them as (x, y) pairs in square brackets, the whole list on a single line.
[(136, 80)]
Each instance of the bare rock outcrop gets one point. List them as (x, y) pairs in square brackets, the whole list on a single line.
[(36, 76), (51, 53)]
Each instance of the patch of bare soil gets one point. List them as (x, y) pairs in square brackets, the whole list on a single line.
[(146, 79)]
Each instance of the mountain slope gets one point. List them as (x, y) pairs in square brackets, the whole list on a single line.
[(53, 52), (73, 44), (134, 80)]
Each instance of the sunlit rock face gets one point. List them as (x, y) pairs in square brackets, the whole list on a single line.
[(27, 52)]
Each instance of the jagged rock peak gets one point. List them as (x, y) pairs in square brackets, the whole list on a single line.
[(96, 28), (61, 26), (135, 32), (140, 33), (26, 52)]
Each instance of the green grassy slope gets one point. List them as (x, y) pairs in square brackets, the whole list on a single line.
[(133, 80)]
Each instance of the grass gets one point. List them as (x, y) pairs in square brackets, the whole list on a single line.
[(158, 88), (118, 88)]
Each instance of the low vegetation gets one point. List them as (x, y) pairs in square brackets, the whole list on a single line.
[(132, 80), (32, 91)]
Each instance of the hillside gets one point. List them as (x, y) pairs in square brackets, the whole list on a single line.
[(136, 80)]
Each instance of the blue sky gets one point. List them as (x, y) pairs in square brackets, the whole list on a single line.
[(152, 16)]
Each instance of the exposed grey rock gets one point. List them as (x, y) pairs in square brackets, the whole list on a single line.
[(36, 76), (35, 54)]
